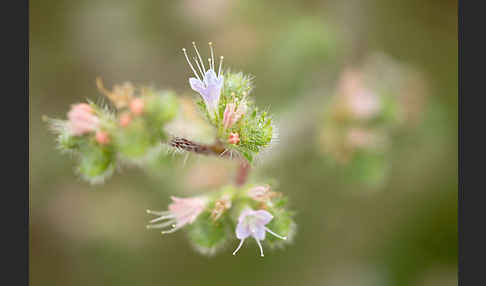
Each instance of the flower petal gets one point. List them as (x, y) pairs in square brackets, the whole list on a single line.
[(263, 216), (196, 84), (242, 231)]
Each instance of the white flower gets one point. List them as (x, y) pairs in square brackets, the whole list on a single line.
[(207, 83), (252, 223)]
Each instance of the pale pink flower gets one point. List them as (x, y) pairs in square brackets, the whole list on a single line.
[(233, 138), (261, 193), (232, 113), (102, 137), (125, 119), (252, 223), (82, 119), (362, 102), (181, 211), (136, 106)]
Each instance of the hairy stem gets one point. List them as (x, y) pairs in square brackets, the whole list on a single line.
[(190, 146), (242, 173)]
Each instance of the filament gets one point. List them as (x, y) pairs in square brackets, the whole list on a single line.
[(212, 55), (199, 56), (220, 64), (274, 234), (239, 246), (189, 62), (260, 246)]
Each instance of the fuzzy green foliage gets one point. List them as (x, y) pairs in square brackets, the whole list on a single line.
[(97, 162), (255, 128), (130, 142), (207, 235)]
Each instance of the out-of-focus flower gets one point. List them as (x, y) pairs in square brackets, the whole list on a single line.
[(361, 138), (136, 106), (209, 87), (232, 113), (360, 101), (102, 137), (234, 138), (82, 119), (121, 94), (125, 119), (252, 223), (220, 206), (261, 193), (181, 211)]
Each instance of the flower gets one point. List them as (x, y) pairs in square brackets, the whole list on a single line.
[(125, 119), (181, 211), (252, 223), (220, 206), (136, 106), (261, 193), (362, 102), (102, 137), (232, 113), (121, 94), (234, 138), (209, 87), (82, 119)]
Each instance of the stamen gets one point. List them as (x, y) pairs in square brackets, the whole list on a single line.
[(162, 218), (198, 66), (209, 61), (157, 213), (174, 228), (160, 225), (189, 62), (212, 55), (220, 64), (239, 246), (274, 234), (199, 56), (261, 248)]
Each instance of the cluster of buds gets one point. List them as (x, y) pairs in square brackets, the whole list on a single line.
[(366, 109), (239, 213), (136, 127)]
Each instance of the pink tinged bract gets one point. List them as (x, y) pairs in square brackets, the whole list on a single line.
[(252, 223), (82, 119), (181, 211)]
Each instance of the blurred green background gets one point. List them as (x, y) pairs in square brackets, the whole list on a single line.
[(401, 233)]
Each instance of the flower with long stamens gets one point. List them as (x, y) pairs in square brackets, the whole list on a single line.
[(181, 211), (82, 119), (252, 223), (207, 83)]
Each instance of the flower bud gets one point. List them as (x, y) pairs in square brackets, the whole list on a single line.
[(102, 137), (82, 119), (136, 106), (233, 138), (125, 119)]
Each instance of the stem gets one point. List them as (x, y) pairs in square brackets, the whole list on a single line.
[(216, 149), (242, 173)]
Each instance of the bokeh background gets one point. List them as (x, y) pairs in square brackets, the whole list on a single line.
[(402, 231)]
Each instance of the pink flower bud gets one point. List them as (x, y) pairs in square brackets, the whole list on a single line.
[(232, 114), (136, 106), (102, 137), (125, 119), (82, 119), (233, 138)]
